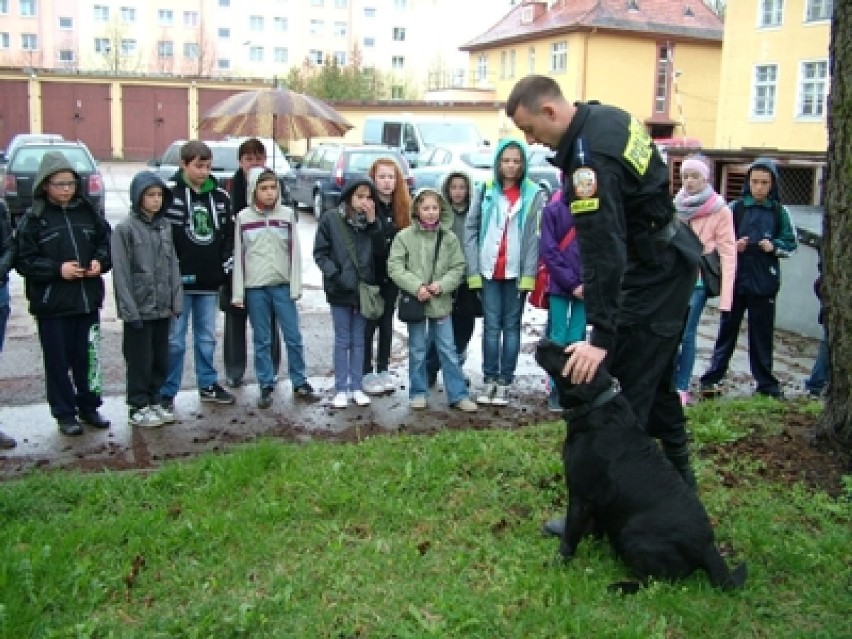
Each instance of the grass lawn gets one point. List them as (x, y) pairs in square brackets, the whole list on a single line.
[(402, 537)]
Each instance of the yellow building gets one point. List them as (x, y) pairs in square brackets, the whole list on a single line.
[(774, 79), (658, 59)]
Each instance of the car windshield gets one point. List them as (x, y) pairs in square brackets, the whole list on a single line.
[(437, 133), (363, 160), (28, 159)]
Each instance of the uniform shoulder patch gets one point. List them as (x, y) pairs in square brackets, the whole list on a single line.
[(585, 182), (638, 149), (587, 205)]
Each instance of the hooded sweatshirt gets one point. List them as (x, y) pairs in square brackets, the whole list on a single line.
[(492, 214), (146, 275), (759, 272), (51, 234), (203, 234), (266, 245), (412, 262)]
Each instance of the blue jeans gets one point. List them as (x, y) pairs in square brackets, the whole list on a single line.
[(420, 337), (203, 308), (5, 311), (685, 358), (349, 332), (502, 307), (260, 303), (818, 380)]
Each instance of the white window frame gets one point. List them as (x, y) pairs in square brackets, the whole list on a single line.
[(281, 55), (369, 42), (340, 4), (165, 17), (504, 64), (339, 58), (70, 25), (812, 89), (165, 49), (4, 8), (256, 23), (531, 60), (5, 40), (191, 51), (103, 46), (482, 67), (369, 12), (28, 8), (398, 34), (559, 57), (191, 19), (71, 57), (280, 23), (100, 13), (764, 92), (27, 37), (128, 14), (316, 26), (223, 33), (402, 5), (398, 62), (256, 54), (341, 29), (770, 14), (316, 57), (818, 10), (129, 46), (223, 64)]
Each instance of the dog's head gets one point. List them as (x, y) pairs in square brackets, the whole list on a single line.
[(552, 358)]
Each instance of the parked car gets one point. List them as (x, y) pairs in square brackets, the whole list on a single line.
[(435, 162), (23, 165), (317, 181), (25, 138), (225, 160)]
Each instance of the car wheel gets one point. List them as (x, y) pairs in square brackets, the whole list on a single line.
[(317, 204)]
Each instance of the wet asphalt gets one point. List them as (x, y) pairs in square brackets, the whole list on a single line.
[(203, 427)]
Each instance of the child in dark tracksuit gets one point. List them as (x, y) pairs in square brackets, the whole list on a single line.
[(63, 251), (148, 293), (7, 256)]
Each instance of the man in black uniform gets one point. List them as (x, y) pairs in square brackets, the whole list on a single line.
[(639, 262)]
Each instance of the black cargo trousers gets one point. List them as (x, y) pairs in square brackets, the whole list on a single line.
[(655, 301)]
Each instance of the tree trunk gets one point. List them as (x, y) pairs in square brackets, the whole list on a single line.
[(836, 420)]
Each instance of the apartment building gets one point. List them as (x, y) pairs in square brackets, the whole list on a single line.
[(227, 38)]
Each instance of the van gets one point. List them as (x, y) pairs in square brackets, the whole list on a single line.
[(411, 134)]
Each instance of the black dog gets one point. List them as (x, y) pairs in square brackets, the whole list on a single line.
[(620, 484)]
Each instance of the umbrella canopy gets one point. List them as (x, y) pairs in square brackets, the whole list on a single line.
[(281, 114)]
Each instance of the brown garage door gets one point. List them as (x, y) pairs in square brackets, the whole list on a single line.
[(79, 112), (153, 118), (208, 98), (14, 115)]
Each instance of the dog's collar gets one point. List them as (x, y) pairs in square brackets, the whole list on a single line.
[(575, 413)]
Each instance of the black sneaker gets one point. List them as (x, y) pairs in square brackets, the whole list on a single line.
[(710, 391), (94, 419), (306, 392), (215, 393), (265, 400), (70, 426)]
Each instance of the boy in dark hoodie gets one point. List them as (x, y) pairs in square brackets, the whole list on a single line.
[(203, 235), (764, 234), (63, 251), (148, 294)]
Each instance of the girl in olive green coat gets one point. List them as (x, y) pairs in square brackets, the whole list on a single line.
[(427, 262)]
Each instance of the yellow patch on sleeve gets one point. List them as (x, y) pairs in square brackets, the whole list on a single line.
[(638, 149), (582, 207)]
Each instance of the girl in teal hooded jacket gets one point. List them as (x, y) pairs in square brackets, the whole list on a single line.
[(501, 246)]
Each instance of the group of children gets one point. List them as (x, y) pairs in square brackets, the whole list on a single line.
[(460, 250)]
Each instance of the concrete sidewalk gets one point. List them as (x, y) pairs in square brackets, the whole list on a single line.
[(205, 427)]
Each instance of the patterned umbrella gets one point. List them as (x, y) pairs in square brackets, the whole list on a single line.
[(281, 114)]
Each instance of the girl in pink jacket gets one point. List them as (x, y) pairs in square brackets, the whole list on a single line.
[(706, 213)]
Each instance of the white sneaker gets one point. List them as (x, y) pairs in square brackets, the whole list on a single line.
[(418, 402), (487, 393), (360, 398), (372, 384), (388, 381), (341, 400), (465, 405), (144, 417), (501, 395), (167, 416)]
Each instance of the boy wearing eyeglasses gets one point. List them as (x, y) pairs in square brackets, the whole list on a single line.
[(63, 251)]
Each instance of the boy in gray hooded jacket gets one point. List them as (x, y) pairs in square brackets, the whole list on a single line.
[(148, 293)]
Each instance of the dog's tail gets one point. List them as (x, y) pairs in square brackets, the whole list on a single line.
[(720, 575)]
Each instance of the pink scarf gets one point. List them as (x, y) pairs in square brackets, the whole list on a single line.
[(692, 206)]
